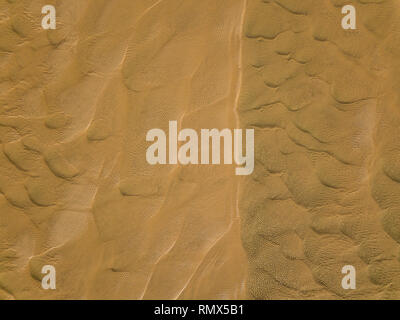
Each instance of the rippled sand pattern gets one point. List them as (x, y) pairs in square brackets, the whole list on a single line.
[(76, 190), (325, 106)]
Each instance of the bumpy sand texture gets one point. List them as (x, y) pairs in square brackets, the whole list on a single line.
[(325, 106), (76, 190)]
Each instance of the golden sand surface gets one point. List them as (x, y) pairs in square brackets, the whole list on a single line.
[(325, 191), (76, 191)]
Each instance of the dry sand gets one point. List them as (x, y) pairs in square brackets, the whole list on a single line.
[(76, 191), (325, 192)]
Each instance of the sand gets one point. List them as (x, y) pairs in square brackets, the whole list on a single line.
[(76, 191), (325, 193)]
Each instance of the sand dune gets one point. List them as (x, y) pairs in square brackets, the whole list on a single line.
[(323, 101), (76, 191)]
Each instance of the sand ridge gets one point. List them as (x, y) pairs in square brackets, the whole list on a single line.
[(76, 191), (320, 98)]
